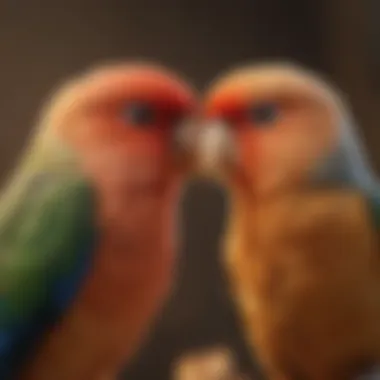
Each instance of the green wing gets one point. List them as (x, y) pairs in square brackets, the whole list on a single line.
[(45, 240)]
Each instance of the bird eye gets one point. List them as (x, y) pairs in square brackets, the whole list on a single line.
[(139, 114), (264, 114)]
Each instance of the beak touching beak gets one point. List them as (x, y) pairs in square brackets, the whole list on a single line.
[(215, 145), (185, 136)]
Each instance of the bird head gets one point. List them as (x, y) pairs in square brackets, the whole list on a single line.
[(123, 123), (275, 127)]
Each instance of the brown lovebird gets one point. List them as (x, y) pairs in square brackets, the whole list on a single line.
[(87, 246), (301, 249)]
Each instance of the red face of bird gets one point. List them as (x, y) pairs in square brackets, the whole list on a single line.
[(127, 123), (267, 126)]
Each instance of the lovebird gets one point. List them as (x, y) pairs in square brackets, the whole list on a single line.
[(86, 223), (301, 245)]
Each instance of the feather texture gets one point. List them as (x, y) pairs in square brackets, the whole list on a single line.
[(46, 241)]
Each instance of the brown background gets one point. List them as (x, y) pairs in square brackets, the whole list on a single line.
[(42, 42)]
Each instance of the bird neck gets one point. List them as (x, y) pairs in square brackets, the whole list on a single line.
[(115, 197), (248, 208), (146, 214)]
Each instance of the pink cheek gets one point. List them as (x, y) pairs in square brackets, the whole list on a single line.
[(150, 145), (105, 143), (93, 132), (119, 163)]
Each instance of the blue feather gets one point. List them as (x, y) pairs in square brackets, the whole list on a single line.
[(67, 286), (348, 166)]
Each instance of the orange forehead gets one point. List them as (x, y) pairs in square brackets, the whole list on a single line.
[(280, 82), (225, 101), (139, 81)]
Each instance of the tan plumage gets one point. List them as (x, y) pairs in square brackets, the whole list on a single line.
[(304, 272)]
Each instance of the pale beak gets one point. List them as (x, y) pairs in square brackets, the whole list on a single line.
[(185, 136), (215, 145)]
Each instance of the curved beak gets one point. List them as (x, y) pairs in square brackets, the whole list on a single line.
[(215, 145), (184, 138), (184, 144)]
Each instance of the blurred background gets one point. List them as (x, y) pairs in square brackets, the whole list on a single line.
[(44, 41)]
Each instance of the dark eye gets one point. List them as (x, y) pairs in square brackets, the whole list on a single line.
[(263, 114), (139, 114)]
